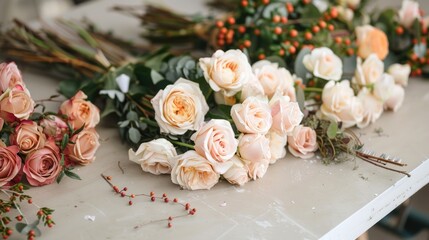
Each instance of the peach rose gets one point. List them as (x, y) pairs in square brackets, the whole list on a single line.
[(43, 166), (193, 172), (215, 141), (180, 107), (286, 114), (323, 63), (254, 149), (277, 146), (16, 103), (85, 144), (369, 71), (155, 157), (371, 40), (302, 143), (272, 77), (28, 136), (253, 88), (373, 107), (408, 13), (80, 111), (252, 116), (238, 173), (10, 164), (226, 71), (394, 102), (9, 76), (400, 73), (54, 126)]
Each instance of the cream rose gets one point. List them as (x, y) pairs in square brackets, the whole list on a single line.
[(85, 144), (394, 102), (369, 71), (80, 112), (272, 77), (155, 157), (373, 107), (323, 63), (226, 71), (10, 164), (254, 149), (278, 144), (400, 73), (286, 114), (9, 76), (28, 136), (384, 87), (344, 13), (193, 172), (350, 3), (252, 116), (302, 143), (253, 88), (42, 166), (371, 40), (238, 173), (408, 13), (180, 107), (54, 126), (352, 114), (16, 103), (215, 141)]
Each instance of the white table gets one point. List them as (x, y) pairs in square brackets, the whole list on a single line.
[(297, 199)]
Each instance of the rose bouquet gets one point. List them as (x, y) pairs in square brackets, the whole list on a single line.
[(39, 148)]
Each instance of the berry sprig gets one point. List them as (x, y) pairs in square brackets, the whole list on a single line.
[(14, 196), (153, 198)]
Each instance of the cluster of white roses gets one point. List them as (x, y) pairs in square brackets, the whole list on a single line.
[(376, 90), (267, 118)]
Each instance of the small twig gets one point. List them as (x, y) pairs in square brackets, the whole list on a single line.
[(120, 167), (16, 205), (388, 168)]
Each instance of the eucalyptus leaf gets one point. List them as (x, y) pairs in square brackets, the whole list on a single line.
[(134, 135), (156, 77), (300, 97), (349, 64), (276, 59), (275, 8), (299, 68), (420, 50), (132, 116), (124, 123), (332, 130)]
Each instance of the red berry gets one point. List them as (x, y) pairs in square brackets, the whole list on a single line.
[(278, 30), (170, 218), (50, 225), (187, 206), (306, 1), (7, 209), (9, 232), (276, 18), (19, 218), (152, 194), (219, 24), (334, 12), (350, 51), (289, 7), (49, 217), (399, 30), (130, 203), (132, 196), (116, 189), (284, 20), (122, 194), (241, 29), (109, 178), (175, 200), (231, 20), (244, 3), (308, 36), (293, 33), (152, 199), (265, 2), (164, 195), (247, 43), (322, 24), (169, 225), (347, 41), (21, 187), (125, 189), (223, 30), (257, 32), (282, 52), (166, 200), (292, 50), (331, 27), (30, 201), (315, 29), (338, 40), (261, 56), (40, 213)]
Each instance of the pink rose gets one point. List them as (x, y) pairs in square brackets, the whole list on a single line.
[(302, 142), (408, 13), (254, 149), (10, 164), (238, 173), (252, 116), (28, 136), (193, 172), (286, 114), (216, 142), (9, 76), (80, 111), (54, 126), (85, 144), (43, 166), (16, 103)]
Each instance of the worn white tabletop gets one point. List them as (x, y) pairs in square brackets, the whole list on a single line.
[(297, 199)]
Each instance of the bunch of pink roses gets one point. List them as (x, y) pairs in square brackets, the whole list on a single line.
[(264, 118), (42, 146)]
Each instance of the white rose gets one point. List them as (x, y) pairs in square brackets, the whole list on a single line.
[(226, 71), (408, 13), (252, 116), (286, 114), (344, 13), (272, 77), (373, 107), (394, 102), (238, 173), (348, 116), (323, 63), (400, 73), (254, 149), (155, 157), (350, 3), (193, 172), (383, 87), (336, 96), (180, 107), (220, 98), (369, 71), (216, 142), (277, 146), (253, 88), (302, 142)]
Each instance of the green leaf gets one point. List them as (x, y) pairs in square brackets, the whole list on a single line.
[(274, 8), (134, 135), (300, 97), (68, 88), (220, 112), (156, 76), (72, 175), (277, 59), (332, 130), (311, 11), (124, 123), (300, 70), (64, 141), (60, 177), (109, 108), (132, 116)]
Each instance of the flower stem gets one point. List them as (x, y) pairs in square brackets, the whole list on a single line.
[(16, 205), (312, 89), (182, 144)]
